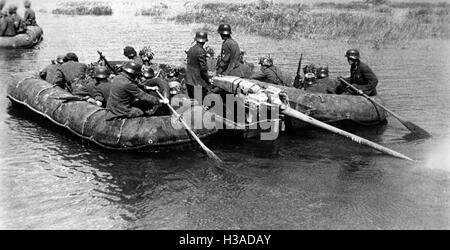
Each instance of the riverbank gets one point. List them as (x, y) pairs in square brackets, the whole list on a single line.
[(376, 22)]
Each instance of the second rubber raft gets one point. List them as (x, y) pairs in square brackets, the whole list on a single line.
[(329, 108)]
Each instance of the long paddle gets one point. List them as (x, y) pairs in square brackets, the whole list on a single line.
[(206, 149), (296, 114), (409, 125)]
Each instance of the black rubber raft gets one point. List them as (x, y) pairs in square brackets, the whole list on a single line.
[(26, 40), (152, 133), (329, 108)]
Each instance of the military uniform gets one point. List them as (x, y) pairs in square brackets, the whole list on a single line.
[(197, 70), (71, 73), (18, 23), (123, 92), (7, 27), (269, 74), (50, 73), (98, 90), (363, 78), (230, 60), (30, 17)]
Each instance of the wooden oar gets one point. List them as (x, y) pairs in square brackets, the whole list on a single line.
[(409, 125), (296, 114), (206, 149)]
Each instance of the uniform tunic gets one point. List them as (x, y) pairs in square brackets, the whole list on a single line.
[(122, 94), (197, 68), (230, 60), (363, 78), (50, 73), (269, 74), (71, 73), (29, 17), (7, 27)]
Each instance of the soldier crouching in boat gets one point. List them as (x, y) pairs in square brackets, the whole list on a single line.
[(150, 84), (49, 73), (124, 91), (96, 90), (197, 68), (361, 76), (71, 74), (269, 72)]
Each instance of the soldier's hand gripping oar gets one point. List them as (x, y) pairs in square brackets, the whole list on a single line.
[(206, 149), (296, 114), (409, 125)]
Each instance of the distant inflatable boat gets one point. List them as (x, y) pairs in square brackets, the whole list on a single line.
[(31, 38), (88, 121)]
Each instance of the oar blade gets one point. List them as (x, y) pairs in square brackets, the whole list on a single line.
[(418, 131)]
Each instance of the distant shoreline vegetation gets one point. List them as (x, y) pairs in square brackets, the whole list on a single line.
[(375, 21), (96, 8)]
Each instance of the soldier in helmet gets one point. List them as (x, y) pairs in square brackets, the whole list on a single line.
[(49, 73), (72, 73), (229, 62), (268, 72), (96, 91), (361, 76), (151, 84), (7, 27), (197, 68), (124, 91), (131, 54), (18, 22), (29, 16)]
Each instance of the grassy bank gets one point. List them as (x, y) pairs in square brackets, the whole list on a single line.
[(155, 11), (374, 21), (84, 8)]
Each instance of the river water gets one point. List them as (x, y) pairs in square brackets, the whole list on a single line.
[(304, 180)]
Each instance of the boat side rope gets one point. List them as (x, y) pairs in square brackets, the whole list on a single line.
[(26, 78), (376, 109), (42, 90), (120, 131), (87, 118)]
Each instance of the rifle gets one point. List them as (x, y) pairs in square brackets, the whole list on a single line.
[(102, 57), (298, 77)]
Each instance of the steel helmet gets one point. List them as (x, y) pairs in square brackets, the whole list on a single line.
[(12, 9), (224, 29), (27, 4), (266, 61), (310, 77), (201, 36), (132, 68), (60, 59), (129, 52), (148, 73), (101, 72), (71, 57), (322, 72), (352, 54)]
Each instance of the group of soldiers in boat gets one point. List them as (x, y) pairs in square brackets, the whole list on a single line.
[(131, 89), (11, 23)]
